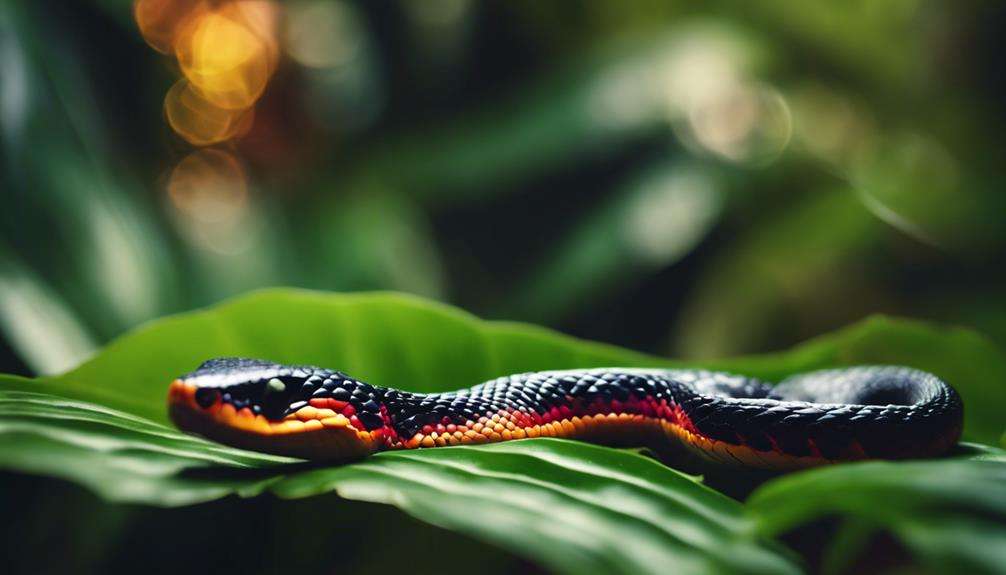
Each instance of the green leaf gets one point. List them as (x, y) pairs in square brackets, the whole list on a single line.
[(951, 514), (573, 506)]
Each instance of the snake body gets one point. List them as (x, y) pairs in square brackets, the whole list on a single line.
[(883, 412)]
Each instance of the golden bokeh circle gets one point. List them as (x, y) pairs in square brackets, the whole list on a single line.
[(227, 54), (201, 122), (159, 21)]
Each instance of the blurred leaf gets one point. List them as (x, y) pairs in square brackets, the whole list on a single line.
[(370, 239), (950, 514), (916, 185), (800, 260), (66, 200), (588, 109), (886, 40), (653, 221), (576, 507), (46, 334)]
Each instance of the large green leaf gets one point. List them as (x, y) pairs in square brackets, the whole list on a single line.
[(950, 514), (571, 506)]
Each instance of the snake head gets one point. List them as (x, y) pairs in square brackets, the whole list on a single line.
[(299, 407), (264, 388)]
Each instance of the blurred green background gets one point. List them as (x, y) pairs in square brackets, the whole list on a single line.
[(688, 179), (692, 179)]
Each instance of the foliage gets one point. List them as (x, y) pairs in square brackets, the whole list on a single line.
[(573, 507)]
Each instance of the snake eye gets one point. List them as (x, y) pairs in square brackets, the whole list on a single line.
[(275, 397), (274, 385), (205, 397)]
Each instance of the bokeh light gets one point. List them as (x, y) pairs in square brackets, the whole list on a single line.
[(228, 54), (209, 186), (209, 195), (199, 121), (322, 34), (749, 123), (702, 64), (342, 89), (262, 18), (227, 51), (160, 20), (672, 212)]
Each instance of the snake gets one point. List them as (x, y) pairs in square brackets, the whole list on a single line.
[(809, 419)]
